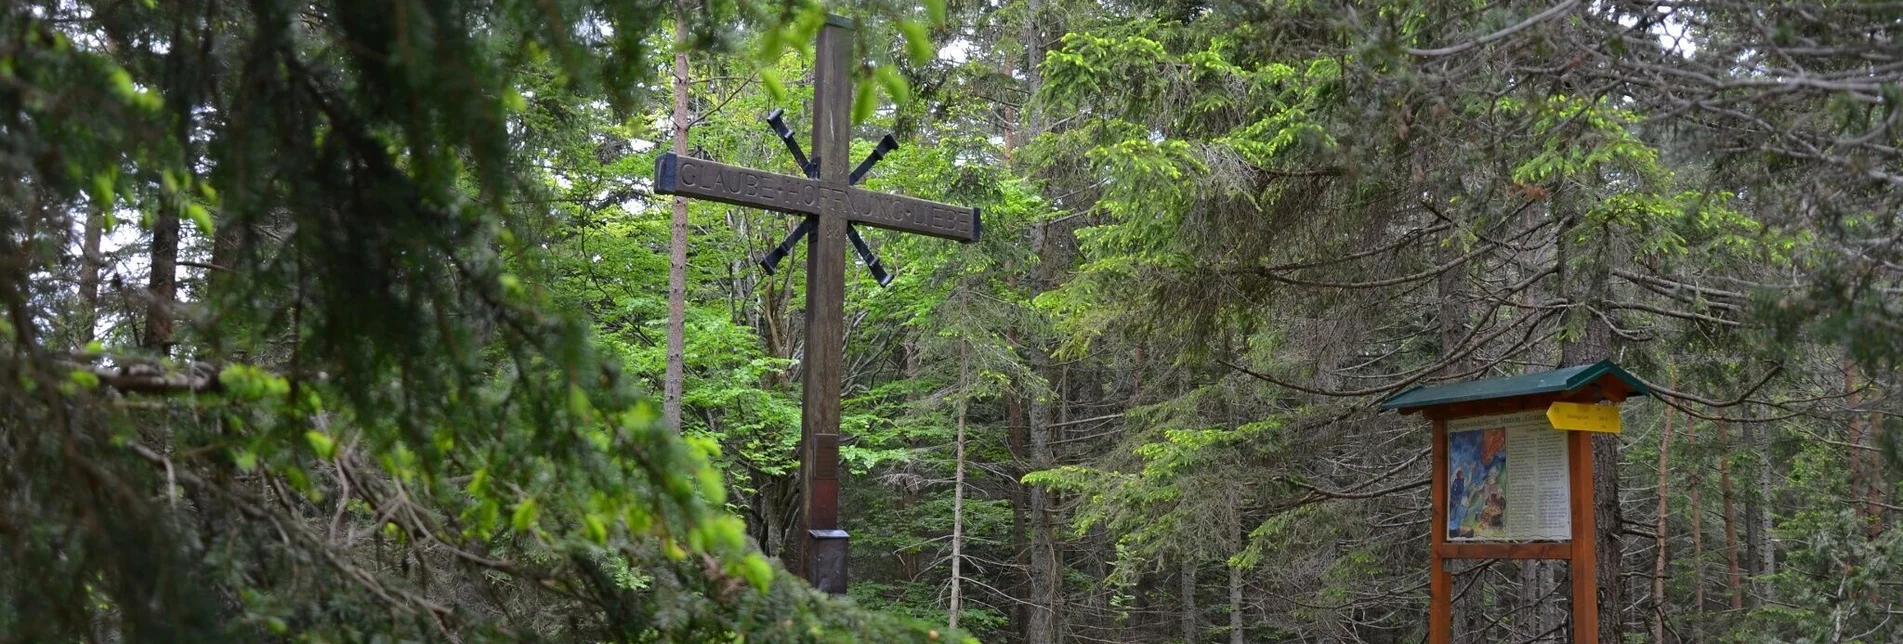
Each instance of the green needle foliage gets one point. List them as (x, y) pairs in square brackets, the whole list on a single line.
[(336, 321), (379, 418)]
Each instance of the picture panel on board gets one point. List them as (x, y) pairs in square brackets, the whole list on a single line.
[(1507, 479)]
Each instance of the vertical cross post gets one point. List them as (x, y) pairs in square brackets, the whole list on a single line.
[(831, 206), (824, 554)]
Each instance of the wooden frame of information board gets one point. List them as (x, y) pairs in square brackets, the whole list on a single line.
[(1603, 382)]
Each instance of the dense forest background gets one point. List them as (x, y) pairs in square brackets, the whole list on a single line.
[(348, 321)]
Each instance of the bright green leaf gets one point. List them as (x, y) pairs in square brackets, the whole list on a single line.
[(323, 444), (918, 44), (200, 217), (524, 515), (245, 459), (775, 87), (755, 569), (863, 102), (894, 83), (596, 529), (84, 379)]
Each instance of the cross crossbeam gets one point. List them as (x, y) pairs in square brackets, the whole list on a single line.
[(825, 196), (741, 186)]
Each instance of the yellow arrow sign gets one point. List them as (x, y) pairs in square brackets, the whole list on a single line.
[(1584, 417)]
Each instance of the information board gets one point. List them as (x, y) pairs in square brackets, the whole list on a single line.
[(1507, 479)]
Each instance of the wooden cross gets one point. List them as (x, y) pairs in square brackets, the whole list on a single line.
[(831, 205)]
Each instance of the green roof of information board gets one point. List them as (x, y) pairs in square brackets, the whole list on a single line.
[(1544, 382)]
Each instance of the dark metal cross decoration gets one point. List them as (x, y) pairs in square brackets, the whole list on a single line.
[(832, 208)]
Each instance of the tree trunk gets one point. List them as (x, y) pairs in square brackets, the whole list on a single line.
[(958, 483), (1753, 504), (162, 285), (1874, 435), (1531, 620), (1020, 504), (1658, 542), (162, 289), (89, 265), (1766, 546), (1588, 292), (1008, 116), (1610, 519), (1233, 528), (1235, 571), (224, 256), (1858, 433), (1734, 582), (1136, 385), (1030, 535), (1186, 592), (1046, 566), (1046, 569), (910, 494), (672, 381), (1697, 512), (778, 497), (1762, 557), (1537, 578), (1452, 313), (1030, 121)]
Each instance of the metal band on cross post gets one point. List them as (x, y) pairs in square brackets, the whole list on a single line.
[(832, 207)]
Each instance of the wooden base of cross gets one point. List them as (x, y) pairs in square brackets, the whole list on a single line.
[(832, 207)]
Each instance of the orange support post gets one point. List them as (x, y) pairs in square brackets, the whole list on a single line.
[(1585, 560), (1440, 582)]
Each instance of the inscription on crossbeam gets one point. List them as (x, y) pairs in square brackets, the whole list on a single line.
[(740, 186)]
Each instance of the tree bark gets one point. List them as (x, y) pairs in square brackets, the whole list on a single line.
[(910, 495), (1046, 568), (1587, 293), (162, 284), (1753, 504), (1030, 121), (1186, 593), (1734, 582), (162, 287), (1027, 502), (1020, 504), (1874, 493), (1450, 289), (672, 381), (1008, 116), (1766, 546), (1235, 571), (89, 265), (1697, 512), (1858, 440), (1469, 608), (1659, 540), (1610, 519), (958, 483), (1538, 578)]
